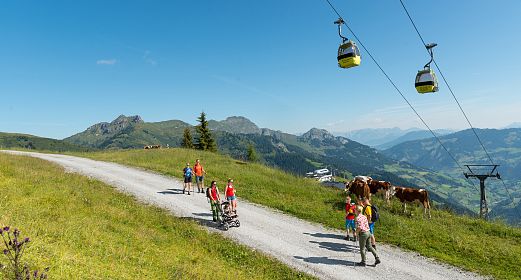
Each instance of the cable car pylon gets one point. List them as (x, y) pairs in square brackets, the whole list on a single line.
[(483, 207)]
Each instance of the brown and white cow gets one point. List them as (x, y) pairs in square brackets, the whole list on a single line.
[(365, 179), (359, 188), (410, 195), (382, 187)]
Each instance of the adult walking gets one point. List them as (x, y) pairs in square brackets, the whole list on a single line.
[(362, 229), (187, 174), (215, 198), (199, 176), (230, 194), (368, 212)]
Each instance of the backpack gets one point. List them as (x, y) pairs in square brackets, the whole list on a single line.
[(208, 193), (375, 215), (188, 172)]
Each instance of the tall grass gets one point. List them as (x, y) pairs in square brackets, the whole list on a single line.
[(489, 248), (84, 229)]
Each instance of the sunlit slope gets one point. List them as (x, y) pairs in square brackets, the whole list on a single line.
[(26, 141), (84, 229), (484, 247)]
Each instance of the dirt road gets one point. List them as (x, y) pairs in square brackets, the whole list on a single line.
[(305, 246)]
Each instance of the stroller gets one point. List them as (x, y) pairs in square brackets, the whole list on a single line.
[(229, 218)]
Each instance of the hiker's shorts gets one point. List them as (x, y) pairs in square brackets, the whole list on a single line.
[(188, 179), (350, 224), (371, 228), (199, 179), (231, 198)]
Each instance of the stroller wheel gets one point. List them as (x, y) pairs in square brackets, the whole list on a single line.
[(226, 226), (237, 223)]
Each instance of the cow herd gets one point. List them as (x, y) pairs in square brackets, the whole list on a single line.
[(148, 147), (365, 186)]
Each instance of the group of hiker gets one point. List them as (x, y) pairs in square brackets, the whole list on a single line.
[(360, 219), (212, 192), (360, 216)]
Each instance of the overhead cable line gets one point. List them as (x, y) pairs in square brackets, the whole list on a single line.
[(457, 102), (396, 87)]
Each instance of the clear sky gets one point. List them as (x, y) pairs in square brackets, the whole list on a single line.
[(66, 65)]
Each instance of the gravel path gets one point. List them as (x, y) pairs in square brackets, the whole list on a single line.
[(303, 245)]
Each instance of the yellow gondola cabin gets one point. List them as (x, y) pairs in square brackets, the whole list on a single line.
[(348, 55), (426, 81)]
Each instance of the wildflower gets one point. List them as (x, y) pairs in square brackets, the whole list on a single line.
[(6, 228), (26, 240), (6, 251)]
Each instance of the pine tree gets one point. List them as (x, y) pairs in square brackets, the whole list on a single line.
[(252, 153), (187, 139), (205, 141)]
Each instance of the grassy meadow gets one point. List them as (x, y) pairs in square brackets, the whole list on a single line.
[(488, 248), (84, 229)]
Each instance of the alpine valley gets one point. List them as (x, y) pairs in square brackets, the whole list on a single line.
[(418, 163)]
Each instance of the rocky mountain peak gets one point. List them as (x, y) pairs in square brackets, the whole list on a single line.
[(116, 125), (122, 119), (317, 134), (235, 124)]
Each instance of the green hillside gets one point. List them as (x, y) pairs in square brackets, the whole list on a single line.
[(504, 147), (485, 247), (84, 229), (130, 132), (314, 149), (25, 141)]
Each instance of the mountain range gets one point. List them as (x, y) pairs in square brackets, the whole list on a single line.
[(416, 163), (317, 148), (503, 147), (383, 138)]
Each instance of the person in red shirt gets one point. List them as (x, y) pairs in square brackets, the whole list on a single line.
[(199, 176), (350, 219), (215, 199), (230, 194)]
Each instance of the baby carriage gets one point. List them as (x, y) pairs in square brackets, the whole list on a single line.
[(229, 218)]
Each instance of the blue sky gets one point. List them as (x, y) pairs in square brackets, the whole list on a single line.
[(66, 65)]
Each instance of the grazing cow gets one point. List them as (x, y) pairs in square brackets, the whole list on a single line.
[(383, 186), (152, 147), (359, 188), (410, 195), (365, 179)]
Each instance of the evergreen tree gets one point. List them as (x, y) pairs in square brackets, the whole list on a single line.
[(187, 139), (252, 153), (205, 141)]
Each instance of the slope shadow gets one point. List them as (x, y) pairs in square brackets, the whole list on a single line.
[(204, 222), (326, 260), (171, 191), (203, 214), (325, 235), (336, 247)]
